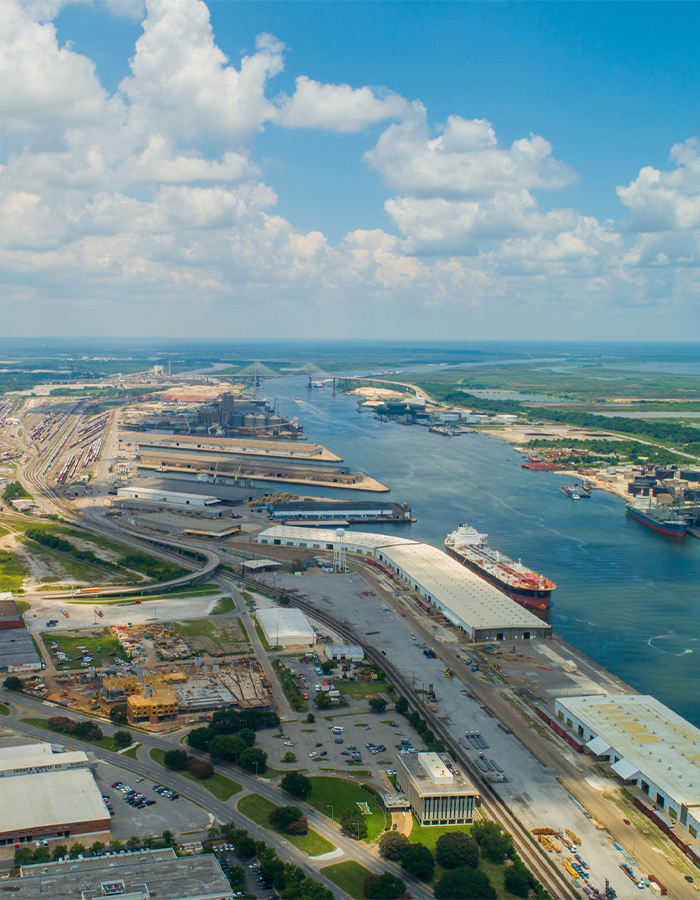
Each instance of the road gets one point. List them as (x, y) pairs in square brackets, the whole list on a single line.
[(25, 707)]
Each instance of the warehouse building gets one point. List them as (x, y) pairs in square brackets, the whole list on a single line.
[(204, 526), (646, 744), (288, 627), (10, 616), (436, 788), (469, 602), (131, 876), (169, 498), (339, 510), (46, 795), (345, 652)]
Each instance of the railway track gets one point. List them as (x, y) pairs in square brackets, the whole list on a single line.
[(528, 849)]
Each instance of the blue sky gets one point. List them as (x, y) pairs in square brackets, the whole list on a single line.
[(385, 189)]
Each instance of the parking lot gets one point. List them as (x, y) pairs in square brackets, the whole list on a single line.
[(179, 816)]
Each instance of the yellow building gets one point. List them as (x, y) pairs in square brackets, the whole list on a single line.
[(158, 702)]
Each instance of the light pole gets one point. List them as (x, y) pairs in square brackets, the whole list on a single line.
[(331, 808)]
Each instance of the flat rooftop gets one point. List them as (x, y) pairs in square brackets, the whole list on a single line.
[(50, 798), (469, 597), (324, 504), (160, 872), (423, 772), (177, 497), (206, 525), (362, 539), (227, 493), (650, 736), (285, 625), (17, 649), (274, 449)]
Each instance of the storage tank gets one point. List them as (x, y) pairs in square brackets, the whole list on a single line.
[(274, 420), (249, 420), (260, 421), (690, 474), (236, 420)]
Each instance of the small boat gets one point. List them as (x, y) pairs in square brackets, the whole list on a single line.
[(297, 400)]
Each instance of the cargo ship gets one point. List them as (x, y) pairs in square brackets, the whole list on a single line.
[(468, 547), (659, 518)]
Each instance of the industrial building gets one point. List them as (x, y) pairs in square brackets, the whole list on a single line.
[(137, 875), (10, 616), (469, 602), (345, 510), (170, 523), (170, 498), (229, 494), (438, 791), (345, 652), (288, 627), (646, 743), (45, 794)]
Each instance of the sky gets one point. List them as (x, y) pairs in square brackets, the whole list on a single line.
[(350, 170)]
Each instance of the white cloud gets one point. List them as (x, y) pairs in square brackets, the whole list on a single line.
[(337, 107), (151, 199), (464, 161), (663, 201)]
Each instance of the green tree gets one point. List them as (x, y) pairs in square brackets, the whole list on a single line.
[(494, 843), (464, 884), (455, 849), (246, 847), (402, 706), (89, 731), (123, 739), (328, 666), (289, 757), (97, 848), (247, 735), (354, 823), (296, 784), (13, 683), (117, 714), (418, 861), (59, 851), (175, 759), (518, 880), (76, 850), (392, 844), (377, 704), (24, 856), (236, 877), (115, 846), (254, 759), (311, 718), (322, 700), (228, 747), (281, 816), (168, 838), (200, 738), (133, 842), (383, 887)]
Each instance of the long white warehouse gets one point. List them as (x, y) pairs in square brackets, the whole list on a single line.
[(646, 743), (286, 626), (172, 498), (468, 601)]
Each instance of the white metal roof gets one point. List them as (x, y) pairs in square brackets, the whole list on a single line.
[(598, 746), (649, 736), (328, 536), (285, 626), (625, 769), (467, 596), (50, 798)]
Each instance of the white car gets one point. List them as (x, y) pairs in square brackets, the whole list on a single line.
[(313, 753), (289, 743)]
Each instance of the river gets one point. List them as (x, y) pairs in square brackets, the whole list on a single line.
[(626, 596)]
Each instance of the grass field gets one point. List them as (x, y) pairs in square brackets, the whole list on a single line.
[(256, 808), (263, 639), (105, 743), (331, 795), (4, 710), (98, 640), (23, 606), (218, 785), (348, 876), (223, 605), (429, 835), (12, 571), (361, 690), (225, 636)]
